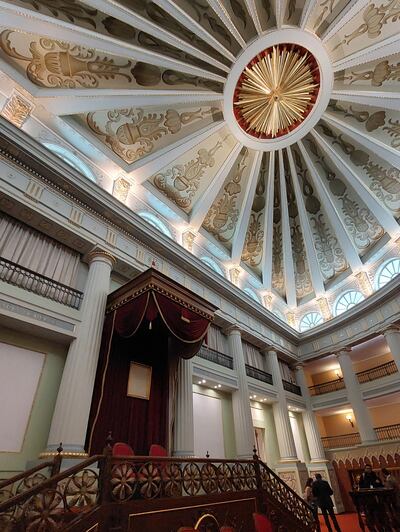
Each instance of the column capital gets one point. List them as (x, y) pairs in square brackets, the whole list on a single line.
[(342, 351), (299, 366), (392, 328), (99, 253), (232, 329)]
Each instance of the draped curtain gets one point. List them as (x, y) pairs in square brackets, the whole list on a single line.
[(286, 372), (253, 357), (37, 252), (217, 340), (154, 330)]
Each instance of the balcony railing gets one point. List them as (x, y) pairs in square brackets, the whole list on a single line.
[(344, 440), (389, 432), (16, 275), (215, 356), (377, 372), (326, 387), (258, 374), (291, 387)]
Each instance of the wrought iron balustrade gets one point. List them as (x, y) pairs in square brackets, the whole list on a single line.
[(389, 432), (388, 368), (215, 356), (258, 374), (21, 277), (291, 387), (344, 440), (327, 387)]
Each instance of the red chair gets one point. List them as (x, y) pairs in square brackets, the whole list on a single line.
[(262, 523), (122, 449), (157, 450)]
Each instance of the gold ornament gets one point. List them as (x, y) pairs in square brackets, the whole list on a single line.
[(276, 91)]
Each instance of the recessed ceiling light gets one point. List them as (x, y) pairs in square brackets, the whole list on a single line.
[(203, 381), (200, 382), (219, 386)]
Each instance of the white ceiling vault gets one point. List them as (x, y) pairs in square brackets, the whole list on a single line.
[(145, 94)]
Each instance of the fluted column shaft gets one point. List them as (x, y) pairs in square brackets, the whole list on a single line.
[(317, 453), (74, 398), (183, 424), (354, 396), (287, 448), (244, 431), (392, 336)]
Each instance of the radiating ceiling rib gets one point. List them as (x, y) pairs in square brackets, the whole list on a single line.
[(386, 152), (307, 10), (345, 16), (118, 11), (384, 99), (243, 222), (31, 21), (181, 16), (288, 265), (268, 226), (308, 238), (379, 50), (252, 9), (280, 10), (203, 205), (69, 102), (148, 169), (368, 197), (346, 243), (221, 11)]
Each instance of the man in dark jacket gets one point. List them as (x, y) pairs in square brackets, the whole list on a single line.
[(369, 479), (322, 493)]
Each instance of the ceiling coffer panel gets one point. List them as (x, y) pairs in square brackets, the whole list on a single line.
[(222, 218), (383, 75), (330, 256), (254, 241), (278, 278), (99, 22), (136, 132), (361, 224), (186, 179), (382, 178), (59, 64)]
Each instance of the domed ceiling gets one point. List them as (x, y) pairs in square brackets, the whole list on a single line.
[(269, 131)]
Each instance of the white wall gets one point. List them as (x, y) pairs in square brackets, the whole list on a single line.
[(20, 371), (208, 429)]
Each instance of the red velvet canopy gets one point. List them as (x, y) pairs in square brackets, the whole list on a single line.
[(154, 321)]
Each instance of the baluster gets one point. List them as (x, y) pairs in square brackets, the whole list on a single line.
[(105, 470)]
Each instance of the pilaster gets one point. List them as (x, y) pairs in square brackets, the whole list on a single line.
[(183, 439)]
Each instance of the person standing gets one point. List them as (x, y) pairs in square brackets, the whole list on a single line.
[(310, 499), (322, 493), (391, 483), (369, 479)]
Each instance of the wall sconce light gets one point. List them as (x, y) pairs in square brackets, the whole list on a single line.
[(350, 419)]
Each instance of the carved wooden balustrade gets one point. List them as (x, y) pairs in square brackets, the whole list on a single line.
[(30, 478), (106, 491)]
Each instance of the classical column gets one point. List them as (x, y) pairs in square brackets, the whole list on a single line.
[(392, 337), (317, 453), (287, 448), (183, 423), (74, 398), (244, 431), (354, 396)]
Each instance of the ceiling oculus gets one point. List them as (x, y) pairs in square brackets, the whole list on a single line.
[(276, 91)]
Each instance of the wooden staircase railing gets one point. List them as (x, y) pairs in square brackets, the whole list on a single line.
[(106, 496), (34, 476)]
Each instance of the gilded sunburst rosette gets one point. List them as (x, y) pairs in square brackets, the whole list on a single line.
[(276, 91)]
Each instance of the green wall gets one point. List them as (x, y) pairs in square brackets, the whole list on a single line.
[(42, 409)]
